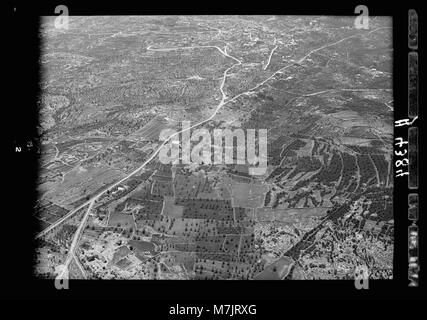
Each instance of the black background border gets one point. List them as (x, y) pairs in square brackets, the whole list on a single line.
[(18, 227)]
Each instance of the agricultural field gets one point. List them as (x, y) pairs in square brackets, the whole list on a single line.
[(109, 205)]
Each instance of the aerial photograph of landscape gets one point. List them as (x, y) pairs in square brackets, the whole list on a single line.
[(136, 183)]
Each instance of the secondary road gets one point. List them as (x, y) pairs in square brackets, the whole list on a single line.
[(269, 57), (71, 255)]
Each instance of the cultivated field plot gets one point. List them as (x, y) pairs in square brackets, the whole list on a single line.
[(110, 207)]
